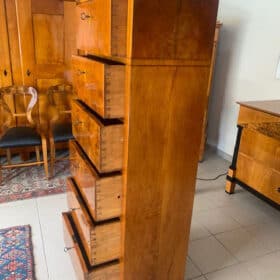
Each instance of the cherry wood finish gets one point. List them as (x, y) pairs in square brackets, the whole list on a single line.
[(102, 27), (103, 195), (102, 143), (101, 241), (100, 84), (258, 153), (84, 270), (167, 55)]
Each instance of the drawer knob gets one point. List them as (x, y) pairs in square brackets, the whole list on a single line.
[(84, 16), (66, 249)]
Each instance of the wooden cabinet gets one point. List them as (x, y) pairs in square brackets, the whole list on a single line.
[(37, 41), (148, 62), (256, 160)]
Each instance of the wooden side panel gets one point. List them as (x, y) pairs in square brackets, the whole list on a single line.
[(5, 65), (49, 39), (15, 54), (70, 31), (162, 157), (173, 29)]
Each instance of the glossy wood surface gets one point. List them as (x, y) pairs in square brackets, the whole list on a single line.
[(261, 148), (5, 65), (100, 85), (101, 241), (103, 195), (103, 144), (258, 158), (259, 176), (102, 27), (172, 29), (271, 107), (83, 270), (161, 165)]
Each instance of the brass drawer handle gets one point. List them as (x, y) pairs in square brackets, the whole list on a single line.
[(84, 16)]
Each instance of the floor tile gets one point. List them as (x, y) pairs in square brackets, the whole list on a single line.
[(198, 231), (215, 221), (50, 209), (200, 278), (209, 255), (266, 267), (242, 244), (191, 270), (235, 272), (25, 213)]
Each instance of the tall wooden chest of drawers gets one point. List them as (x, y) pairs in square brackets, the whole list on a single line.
[(141, 78)]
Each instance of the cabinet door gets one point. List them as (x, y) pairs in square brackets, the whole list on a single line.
[(5, 66)]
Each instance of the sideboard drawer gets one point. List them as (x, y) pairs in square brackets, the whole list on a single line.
[(103, 195), (261, 147), (101, 240), (101, 141), (84, 271), (263, 179), (102, 26), (100, 85)]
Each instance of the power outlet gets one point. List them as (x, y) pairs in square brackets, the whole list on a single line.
[(278, 70)]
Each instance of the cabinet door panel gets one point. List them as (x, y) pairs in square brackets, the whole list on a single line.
[(5, 67)]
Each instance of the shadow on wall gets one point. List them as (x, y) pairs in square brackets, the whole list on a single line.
[(222, 82)]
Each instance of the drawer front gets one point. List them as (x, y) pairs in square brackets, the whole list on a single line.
[(99, 85), (82, 269), (103, 196), (103, 144), (101, 241), (259, 177), (262, 148), (102, 27)]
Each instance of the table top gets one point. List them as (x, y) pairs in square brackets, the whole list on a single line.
[(269, 106)]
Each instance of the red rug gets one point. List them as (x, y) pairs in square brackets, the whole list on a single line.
[(30, 182), (16, 256)]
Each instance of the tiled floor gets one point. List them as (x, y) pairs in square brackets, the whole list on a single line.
[(232, 237)]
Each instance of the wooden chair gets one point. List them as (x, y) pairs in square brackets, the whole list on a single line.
[(60, 125), (19, 130)]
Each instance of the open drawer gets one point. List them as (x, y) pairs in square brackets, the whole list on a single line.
[(73, 245)]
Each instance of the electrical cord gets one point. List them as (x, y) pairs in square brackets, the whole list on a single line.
[(212, 179)]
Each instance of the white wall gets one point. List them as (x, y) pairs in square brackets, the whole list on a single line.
[(248, 54)]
